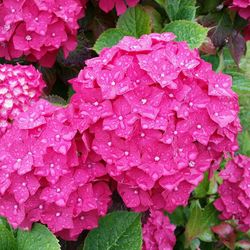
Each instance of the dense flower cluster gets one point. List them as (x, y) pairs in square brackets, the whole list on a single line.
[(48, 174), (120, 5), (234, 201), (20, 86), (159, 117), (158, 233), (38, 28)]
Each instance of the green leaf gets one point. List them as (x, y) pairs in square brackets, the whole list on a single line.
[(4, 222), (108, 39), (180, 9), (117, 231), (135, 21), (188, 31), (202, 189), (178, 217), (207, 236), (241, 85), (200, 221), (244, 139), (7, 240), (156, 19), (39, 238)]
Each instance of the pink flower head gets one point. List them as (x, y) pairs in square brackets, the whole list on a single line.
[(47, 173), (20, 86), (157, 116), (120, 5), (242, 6), (38, 29), (158, 233), (235, 192)]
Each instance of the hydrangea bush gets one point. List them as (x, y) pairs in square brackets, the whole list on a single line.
[(124, 124)]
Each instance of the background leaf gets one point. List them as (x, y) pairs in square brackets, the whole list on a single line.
[(7, 240), (180, 9), (200, 221), (117, 231), (188, 31), (135, 21), (39, 238), (108, 39)]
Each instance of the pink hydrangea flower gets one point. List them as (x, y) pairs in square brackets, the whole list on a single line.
[(243, 7), (48, 174), (37, 29), (158, 233), (120, 5), (235, 192), (20, 86), (158, 116)]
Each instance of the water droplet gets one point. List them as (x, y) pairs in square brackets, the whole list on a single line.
[(109, 143), (113, 83), (216, 114), (171, 95), (41, 207), (142, 134), (199, 126), (144, 101), (53, 34), (96, 103), (58, 214), (191, 104), (175, 132), (28, 38), (216, 85), (136, 192), (126, 153), (191, 164), (157, 158), (24, 184), (82, 218), (120, 118), (58, 190)]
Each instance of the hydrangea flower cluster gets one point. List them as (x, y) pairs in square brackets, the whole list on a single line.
[(243, 7), (159, 117), (48, 174), (20, 86), (38, 28), (120, 5), (234, 201), (158, 233)]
